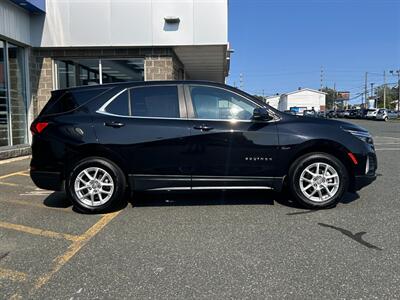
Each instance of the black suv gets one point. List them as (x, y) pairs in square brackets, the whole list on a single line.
[(98, 142)]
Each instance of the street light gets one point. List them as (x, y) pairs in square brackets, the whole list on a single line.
[(398, 86)]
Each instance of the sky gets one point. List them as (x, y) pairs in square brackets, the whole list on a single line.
[(281, 45)]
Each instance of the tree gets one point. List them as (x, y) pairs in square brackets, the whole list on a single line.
[(391, 96), (330, 97)]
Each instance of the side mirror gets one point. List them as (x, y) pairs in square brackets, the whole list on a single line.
[(261, 114)]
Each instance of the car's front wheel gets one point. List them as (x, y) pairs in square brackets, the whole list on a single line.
[(318, 180), (95, 185)]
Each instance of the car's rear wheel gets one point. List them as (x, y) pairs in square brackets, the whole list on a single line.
[(96, 185), (318, 180)]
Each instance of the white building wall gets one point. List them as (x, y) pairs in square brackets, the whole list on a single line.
[(70, 23), (273, 101), (305, 98), (14, 22)]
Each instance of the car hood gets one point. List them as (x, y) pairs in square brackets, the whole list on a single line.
[(333, 123)]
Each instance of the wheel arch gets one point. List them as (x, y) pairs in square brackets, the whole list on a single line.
[(330, 147), (95, 150)]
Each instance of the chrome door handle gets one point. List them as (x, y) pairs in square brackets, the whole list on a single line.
[(114, 124), (203, 128)]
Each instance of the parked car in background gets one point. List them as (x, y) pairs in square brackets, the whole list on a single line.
[(353, 113), (340, 113), (346, 114), (371, 114), (101, 142), (310, 113), (290, 112), (362, 113), (321, 114), (331, 114), (385, 114)]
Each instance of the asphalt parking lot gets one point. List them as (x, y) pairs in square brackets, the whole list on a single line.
[(204, 245)]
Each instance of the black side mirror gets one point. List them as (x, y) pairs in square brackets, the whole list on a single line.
[(261, 114)]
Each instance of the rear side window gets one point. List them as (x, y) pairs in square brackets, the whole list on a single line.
[(152, 101), (63, 101)]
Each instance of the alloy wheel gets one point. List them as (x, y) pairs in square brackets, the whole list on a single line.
[(319, 182), (94, 186)]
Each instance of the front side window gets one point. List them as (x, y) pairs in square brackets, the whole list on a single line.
[(152, 101), (219, 104)]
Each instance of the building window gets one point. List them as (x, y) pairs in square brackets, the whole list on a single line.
[(18, 107), (76, 72), (3, 98), (13, 102)]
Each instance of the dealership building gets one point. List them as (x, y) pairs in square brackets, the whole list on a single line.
[(56, 44)]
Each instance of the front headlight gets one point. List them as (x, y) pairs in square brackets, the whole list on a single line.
[(362, 135)]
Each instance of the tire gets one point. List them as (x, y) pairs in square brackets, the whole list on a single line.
[(103, 190), (385, 119), (300, 179)]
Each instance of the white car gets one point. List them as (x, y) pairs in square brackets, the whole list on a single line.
[(371, 114), (384, 114)]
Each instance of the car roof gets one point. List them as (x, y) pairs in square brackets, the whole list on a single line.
[(144, 83)]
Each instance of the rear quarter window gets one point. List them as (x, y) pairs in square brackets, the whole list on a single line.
[(64, 101)]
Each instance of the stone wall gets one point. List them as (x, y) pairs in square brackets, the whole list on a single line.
[(160, 64)]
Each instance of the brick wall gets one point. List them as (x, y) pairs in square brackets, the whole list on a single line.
[(160, 64)]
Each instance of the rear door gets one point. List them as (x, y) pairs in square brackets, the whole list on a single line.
[(227, 147), (147, 127)]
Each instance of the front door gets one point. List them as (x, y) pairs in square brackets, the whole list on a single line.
[(228, 148)]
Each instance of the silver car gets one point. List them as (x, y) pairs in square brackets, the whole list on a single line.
[(385, 114)]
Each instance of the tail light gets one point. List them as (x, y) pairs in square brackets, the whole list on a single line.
[(38, 127)]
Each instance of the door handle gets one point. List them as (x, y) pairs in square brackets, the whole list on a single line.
[(203, 128), (114, 124)]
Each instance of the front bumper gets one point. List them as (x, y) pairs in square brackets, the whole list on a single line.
[(362, 181), (47, 180)]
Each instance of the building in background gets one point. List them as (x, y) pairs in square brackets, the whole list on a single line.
[(53, 44), (302, 99), (273, 100)]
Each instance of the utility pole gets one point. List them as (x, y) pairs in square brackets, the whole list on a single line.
[(366, 90), (372, 93), (321, 79), (334, 96), (398, 85), (384, 89), (241, 81)]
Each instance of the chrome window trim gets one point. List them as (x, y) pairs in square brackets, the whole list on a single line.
[(102, 109)]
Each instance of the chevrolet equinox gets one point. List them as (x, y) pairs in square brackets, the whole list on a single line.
[(100, 142)]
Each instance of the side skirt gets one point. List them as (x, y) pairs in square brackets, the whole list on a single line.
[(144, 182)]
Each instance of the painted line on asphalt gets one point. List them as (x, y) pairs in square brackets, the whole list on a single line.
[(73, 249), (19, 173), (10, 160), (37, 231), (12, 275), (388, 149), (37, 205)]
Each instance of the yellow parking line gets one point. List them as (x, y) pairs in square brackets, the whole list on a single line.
[(9, 184), (74, 248), (21, 173), (25, 174), (37, 231), (12, 275), (33, 204)]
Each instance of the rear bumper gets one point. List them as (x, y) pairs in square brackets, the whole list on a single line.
[(47, 180)]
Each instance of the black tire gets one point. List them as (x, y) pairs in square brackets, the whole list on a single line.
[(118, 179), (307, 160)]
